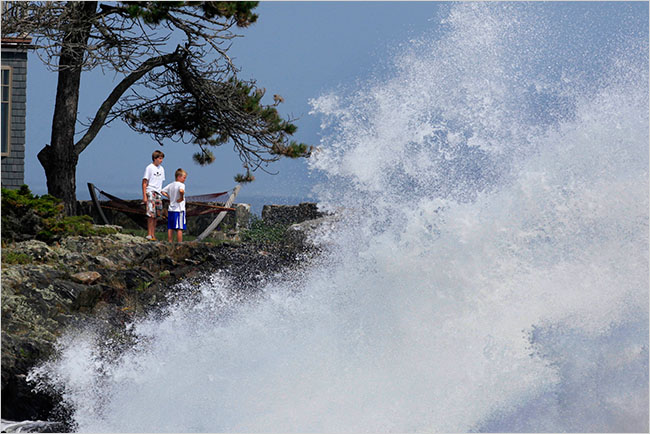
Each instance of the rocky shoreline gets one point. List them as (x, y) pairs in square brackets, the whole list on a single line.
[(109, 280)]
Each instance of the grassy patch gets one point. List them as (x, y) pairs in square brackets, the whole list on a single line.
[(15, 258), (259, 231), (143, 285)]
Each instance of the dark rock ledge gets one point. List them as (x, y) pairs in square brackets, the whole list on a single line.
[(111, 280)]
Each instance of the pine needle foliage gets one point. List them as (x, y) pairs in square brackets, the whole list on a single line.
[(174, 79), (202, 109)]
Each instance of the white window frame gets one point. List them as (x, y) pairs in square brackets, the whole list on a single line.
[(10, 86)]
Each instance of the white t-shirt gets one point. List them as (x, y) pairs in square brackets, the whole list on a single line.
[(155, 175), (174, 192)]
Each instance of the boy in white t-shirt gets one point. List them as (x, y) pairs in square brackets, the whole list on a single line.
[(176, 211), (152, 182)]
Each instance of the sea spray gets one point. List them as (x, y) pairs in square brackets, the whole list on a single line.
[(489, 270)]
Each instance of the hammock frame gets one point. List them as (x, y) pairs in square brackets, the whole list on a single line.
[(196, 207)]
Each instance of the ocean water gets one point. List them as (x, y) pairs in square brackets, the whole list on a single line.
[(489, 270)]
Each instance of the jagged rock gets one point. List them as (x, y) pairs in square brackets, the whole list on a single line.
[(87, 299), (104, 262), (86, 277), (288, 214), (19, 224), (36, 250)]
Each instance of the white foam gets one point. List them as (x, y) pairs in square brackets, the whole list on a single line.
[(490, 271)]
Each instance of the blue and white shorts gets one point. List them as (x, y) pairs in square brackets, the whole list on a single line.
[(176, 220)]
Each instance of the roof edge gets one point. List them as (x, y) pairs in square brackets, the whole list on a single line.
[(9, 40)]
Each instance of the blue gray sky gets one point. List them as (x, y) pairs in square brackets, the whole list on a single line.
[(296, 49), (299, 50)]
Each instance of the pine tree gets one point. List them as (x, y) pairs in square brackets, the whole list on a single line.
[(187, 92)]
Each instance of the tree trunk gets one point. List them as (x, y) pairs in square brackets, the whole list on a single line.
[(59, 158)]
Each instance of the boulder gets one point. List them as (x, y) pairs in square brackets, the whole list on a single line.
[(86, 277), (289, 214), (19, 224)]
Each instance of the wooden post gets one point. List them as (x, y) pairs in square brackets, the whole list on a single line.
[(93, 196), (221, 215)]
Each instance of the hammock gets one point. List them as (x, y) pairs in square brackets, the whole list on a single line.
[(194, 205)]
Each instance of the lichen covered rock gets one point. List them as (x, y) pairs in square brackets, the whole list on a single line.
[(103, 281)]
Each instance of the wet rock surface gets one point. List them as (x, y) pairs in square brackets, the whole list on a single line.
[(108, 281)]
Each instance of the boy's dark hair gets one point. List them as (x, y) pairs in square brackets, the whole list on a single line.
[(157, 154), (179, 172)]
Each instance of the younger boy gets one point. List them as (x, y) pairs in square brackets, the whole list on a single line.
[(152, 182), (176, 212)]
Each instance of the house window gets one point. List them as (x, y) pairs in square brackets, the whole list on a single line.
[(6, 110)]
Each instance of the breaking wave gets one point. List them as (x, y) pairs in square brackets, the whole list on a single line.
[(489, 270)]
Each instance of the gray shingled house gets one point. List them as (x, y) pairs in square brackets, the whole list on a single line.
[(14, 98)]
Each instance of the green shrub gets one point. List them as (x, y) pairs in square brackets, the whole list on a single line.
[(22, 199), (59, 227), (46, 220)]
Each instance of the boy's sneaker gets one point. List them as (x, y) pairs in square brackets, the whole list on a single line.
[(150, 238)]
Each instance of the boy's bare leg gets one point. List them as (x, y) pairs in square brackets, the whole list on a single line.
[(169, 235), (179, 235), (151, 226)]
